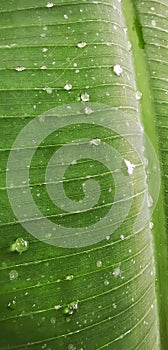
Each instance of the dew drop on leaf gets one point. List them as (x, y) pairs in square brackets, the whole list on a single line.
[(153, 22), (20, 68), (12, 305), (13, 274), (116, 272), (70, 277), (50, 4), (71, 308), (84, 97), (122, 237), (71, 347), (81, 44), (95, 142), (106, 282), (88, 110), (21, 245), (138, 95), (117, 69), (99, 263), (68, 87)]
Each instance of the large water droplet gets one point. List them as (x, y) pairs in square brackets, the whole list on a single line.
[(117, 69), (20, 245), (81, 44), (68, 87), (84, 97), (71, 308)]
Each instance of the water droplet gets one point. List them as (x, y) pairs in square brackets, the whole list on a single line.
[(99, 263), (116, 272), (81, 44), (20, 245), (70, 277), (44, 49), (71, 308), (12, 305), (68, 87), (84, 97), (66, 16), (129, 46), (50, 4), (53, 320), (48, 90), (122, 237), (88, 110), (13, 274), (43, 67), (149, 201), (151, 224), (130, 166), (106, 282), (95, 142), (138, 95), (152, 9), (71, 347), (153, 22), (57, 307), (117, 69), (20, 68)]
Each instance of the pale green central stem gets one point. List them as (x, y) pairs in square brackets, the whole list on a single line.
[(148, 119)]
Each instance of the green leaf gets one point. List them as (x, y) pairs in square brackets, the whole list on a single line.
[(96, 72)]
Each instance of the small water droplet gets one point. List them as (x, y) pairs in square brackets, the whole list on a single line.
[(122, 237), (68, 87), (95, 142), (151, 224), (12, 305), (138, 95), (70, 277), (106, 282), (117, 69), (53, 320), (84, 97), (153, 22), (48, 90), (71, 347), (116, 271), (50, 4), (13, 274), (66, 16), (88, 110), (99, 263), (20, 68), (149, 201), (81, 44), (44, 49), (130, 166), (57, 307)]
